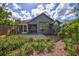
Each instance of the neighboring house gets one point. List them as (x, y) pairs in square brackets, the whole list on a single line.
[(39, 25)]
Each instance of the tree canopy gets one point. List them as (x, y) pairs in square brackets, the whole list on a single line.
[(4, 15)]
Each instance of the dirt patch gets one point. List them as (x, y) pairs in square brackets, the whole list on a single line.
[(59, 49)]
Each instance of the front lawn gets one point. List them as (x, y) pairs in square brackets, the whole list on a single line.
[(25, 45)]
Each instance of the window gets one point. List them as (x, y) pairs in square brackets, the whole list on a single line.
[(43, 26)]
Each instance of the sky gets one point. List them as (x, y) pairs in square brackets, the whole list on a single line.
[(56, 11)]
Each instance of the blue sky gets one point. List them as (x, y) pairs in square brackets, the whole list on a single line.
[(60, 11)]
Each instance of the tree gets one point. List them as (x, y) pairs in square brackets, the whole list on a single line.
[(70, 34), (4, 15)]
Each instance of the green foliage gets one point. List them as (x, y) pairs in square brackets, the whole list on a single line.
[(21, 45), (68, 46), (70, 29), (70, 33), (4, 15), (37, 45), (6, 22)]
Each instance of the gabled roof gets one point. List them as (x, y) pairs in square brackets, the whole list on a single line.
[(28, 21), (40, 15)]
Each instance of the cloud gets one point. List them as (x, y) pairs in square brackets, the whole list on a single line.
[(64, 12), (16, 6), (40, 7), (0, 4), (49, 7), (68, 17), (26, 15), (71, 15), (38, 10), (23, 12), (61, 12), (43, 8), (16, 15)]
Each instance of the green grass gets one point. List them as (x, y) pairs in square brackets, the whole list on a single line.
[(24, 44)]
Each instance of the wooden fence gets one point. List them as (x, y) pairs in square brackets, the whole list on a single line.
[(3, 29)]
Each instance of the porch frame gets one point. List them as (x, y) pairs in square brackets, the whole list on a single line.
[(23, 28)]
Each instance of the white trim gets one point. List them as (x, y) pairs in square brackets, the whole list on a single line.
[(27, 28), (23, 28)]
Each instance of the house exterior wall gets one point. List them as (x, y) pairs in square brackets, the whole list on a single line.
[(41, 19)]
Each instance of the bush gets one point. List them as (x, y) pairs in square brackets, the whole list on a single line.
[(70, 33)]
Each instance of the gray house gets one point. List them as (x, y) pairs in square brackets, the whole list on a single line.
[(39, 25)]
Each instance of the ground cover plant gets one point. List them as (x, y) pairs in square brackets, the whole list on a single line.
[(21, 45)]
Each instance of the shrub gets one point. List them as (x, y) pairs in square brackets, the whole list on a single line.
[(70, 33)]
